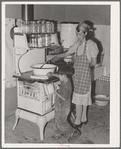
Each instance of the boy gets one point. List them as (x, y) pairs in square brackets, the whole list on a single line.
[(62, 105)]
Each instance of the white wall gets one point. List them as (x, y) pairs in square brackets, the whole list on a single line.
[(102, 34), (98, 14)]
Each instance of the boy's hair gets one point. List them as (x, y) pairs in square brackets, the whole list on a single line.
[(66, 70)]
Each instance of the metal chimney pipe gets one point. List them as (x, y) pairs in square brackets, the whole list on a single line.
[(27, 12)]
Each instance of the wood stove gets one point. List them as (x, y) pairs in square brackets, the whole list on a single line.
[(35, 98)]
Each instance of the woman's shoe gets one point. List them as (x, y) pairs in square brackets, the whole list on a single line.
[(77, 126), (58, 136), (85, 122)]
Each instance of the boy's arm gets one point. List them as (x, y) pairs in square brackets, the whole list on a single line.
[(52, 74)]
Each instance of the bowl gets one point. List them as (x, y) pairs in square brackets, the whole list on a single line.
[(101, 100), (101, 103), (44, 70)]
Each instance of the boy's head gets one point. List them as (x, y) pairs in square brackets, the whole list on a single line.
[(66, 70)]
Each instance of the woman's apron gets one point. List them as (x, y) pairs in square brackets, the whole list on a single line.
[(82, 76)]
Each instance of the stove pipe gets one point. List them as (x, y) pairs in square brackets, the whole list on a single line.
[(27, 12)]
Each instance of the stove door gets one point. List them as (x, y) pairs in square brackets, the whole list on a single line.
[(32, 97)]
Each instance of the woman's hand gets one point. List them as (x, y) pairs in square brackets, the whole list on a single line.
[(93, 62), (55, 59), (49, 74), (50, 57), (98, 65)]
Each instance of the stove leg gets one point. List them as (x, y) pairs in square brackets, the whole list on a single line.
[(41, 121), (17, 118)]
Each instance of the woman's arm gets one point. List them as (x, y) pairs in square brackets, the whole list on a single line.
[(93, 61), (94, 64), (63, 55), (70, 51)]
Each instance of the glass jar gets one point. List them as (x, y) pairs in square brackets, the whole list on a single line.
[(47, 40), (33, 26), (52, 27), (40, 40), (25, 27), (43, 26), (34, 42), (48, 27), (39, 29)]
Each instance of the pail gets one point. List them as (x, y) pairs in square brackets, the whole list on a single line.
[(101, 100), (68, 33)]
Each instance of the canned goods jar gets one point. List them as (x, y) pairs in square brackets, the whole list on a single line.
[(25, 27), (34, 42), (39, 29), (52, 27), (48, 27), (18, 22), (40, 40), (43, 26), (47, 40), (33, 26)]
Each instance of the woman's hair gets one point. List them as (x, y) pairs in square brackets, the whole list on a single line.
[(85, 27), (66, 70)]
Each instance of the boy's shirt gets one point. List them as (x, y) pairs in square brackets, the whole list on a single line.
[(65, 91)]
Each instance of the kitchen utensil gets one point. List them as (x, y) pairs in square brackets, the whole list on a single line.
[(44, 70), (102, 97), (101, 103), (101, 100), (44, 64)]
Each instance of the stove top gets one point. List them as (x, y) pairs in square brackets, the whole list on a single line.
[(39, 77), (27, 77)]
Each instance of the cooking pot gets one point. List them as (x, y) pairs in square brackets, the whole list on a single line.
[(44, 70)]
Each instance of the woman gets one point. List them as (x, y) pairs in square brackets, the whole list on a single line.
[(85, 55)]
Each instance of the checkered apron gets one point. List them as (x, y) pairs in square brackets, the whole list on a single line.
[(82, 76)]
